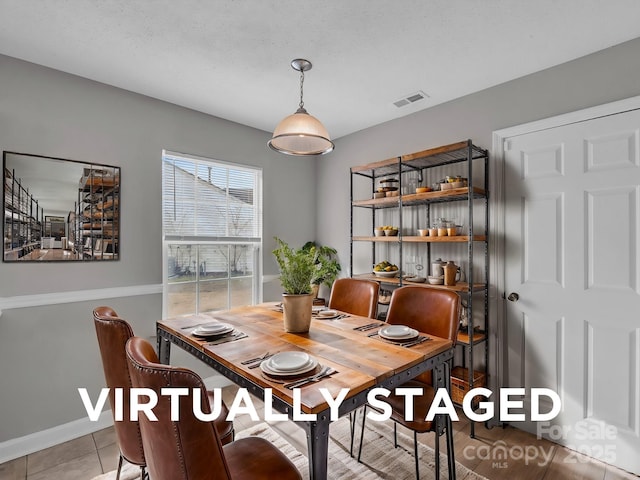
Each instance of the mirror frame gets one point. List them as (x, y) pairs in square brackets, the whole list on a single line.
[(37, 226)]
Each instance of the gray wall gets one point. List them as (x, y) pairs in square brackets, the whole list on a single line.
[(46, 352)]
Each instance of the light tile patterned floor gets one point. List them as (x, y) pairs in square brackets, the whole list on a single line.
[(88, 456)]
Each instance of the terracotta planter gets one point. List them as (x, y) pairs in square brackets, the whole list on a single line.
[(297, 312)]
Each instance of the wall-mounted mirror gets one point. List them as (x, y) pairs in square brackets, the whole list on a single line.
[(59, 210)]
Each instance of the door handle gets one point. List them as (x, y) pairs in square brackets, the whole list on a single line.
[(513, 297)]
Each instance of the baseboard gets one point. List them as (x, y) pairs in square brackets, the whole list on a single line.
[(34, 442)]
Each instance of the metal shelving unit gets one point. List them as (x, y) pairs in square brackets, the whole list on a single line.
[(97, 218), (425, 165), (23, 219)]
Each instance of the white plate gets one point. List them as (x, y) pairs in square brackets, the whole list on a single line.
[(317, 308), (208, 331), (397, 332), (264, 366), (328, 313), (288, 361)]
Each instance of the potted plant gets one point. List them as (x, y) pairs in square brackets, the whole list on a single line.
[(298, 271), (328, 266)]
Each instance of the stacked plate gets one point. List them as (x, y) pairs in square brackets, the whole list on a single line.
[(212, 329), (327, 314), (398, 332), (286, 364)]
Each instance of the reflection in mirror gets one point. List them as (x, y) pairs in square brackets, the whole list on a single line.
[(59, 210)]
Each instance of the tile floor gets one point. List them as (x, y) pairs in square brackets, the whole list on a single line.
[(88, 456)]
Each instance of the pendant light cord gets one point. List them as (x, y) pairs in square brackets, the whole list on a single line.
[(301, 104)]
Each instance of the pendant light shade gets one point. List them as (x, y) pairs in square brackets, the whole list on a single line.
[(300, 133)]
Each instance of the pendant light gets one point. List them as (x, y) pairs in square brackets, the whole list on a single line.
[(300, 133)]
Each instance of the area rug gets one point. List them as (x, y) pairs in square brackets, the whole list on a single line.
[(379, 459)]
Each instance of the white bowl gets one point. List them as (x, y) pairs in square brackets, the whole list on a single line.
[(386, 274), (435, 280)]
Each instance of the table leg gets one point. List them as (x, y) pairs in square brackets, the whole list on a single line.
[(164, 350), (443, 380), (318, 445), (451, 457)]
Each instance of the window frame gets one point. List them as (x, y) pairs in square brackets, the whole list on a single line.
[(209, 240)]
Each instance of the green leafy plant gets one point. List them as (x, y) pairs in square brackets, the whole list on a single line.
[(325, 258), (298, 268)]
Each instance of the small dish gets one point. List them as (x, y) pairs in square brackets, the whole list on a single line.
[(417, 280), (378, 232), (423, 189), (435, 280), (391, 233), (328, 313)]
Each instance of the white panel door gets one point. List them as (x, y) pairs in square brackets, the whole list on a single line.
[(572, 257)]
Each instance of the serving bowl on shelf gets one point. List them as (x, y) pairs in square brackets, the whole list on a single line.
[(384, 274)]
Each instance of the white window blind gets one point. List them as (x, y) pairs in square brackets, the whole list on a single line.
[(212, 234)]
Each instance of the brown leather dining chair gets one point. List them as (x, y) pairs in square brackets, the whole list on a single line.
[(113, 333), (355, 296), (190, 449), (434, 312)]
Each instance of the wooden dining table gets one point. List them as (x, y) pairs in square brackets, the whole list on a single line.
[(361, 358)]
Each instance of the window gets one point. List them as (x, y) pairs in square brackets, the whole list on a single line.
[(212, 234)]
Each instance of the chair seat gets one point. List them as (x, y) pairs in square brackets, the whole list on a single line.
[(255, 458), (421, 405)]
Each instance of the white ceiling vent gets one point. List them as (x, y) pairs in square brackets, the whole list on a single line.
[(411, 98)]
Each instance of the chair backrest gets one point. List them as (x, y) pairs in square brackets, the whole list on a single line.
[(429, 310), (186, 449), (355, 296), (113, 333)]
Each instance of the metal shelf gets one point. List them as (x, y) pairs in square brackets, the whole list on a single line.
[(421, 162)]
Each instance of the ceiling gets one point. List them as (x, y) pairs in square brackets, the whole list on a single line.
[(232, 58)]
